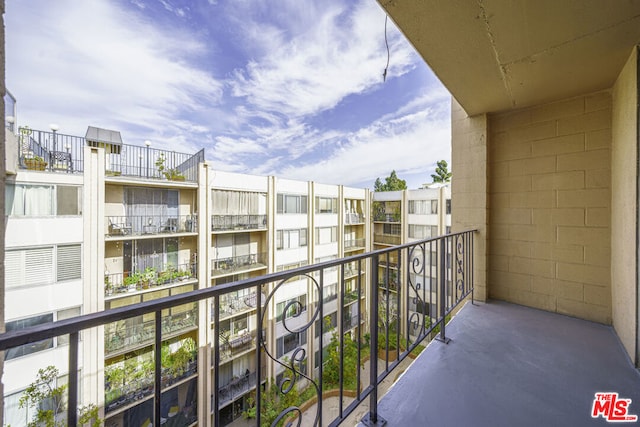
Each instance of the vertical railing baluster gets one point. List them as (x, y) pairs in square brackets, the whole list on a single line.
[(443, 284), (158, 368), (341, 343), (359, 284), (398, 306), (216, 360), (259, 343), (72, 406), (372, 418), (321, 313)]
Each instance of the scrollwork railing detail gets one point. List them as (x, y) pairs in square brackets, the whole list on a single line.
[(293, 369)]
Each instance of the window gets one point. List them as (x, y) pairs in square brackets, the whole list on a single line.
[(16, 325), (423, 207), (293, 310), (291, 266), (38, 266), (330, 293), (290, 342), (326, 235), (43, 200), (329, 323), (326, 204), (434, 206), (291, 204), (393, 229), (69, 265), (68, 200), (448, 206), (288, 239), (26, 349), (419, 231)]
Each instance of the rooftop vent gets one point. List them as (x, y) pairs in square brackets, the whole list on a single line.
[(110, 140)]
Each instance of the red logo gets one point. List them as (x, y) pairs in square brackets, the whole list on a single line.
[(612, 408)]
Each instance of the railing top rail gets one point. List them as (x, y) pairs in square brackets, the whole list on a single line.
[(62, 327)]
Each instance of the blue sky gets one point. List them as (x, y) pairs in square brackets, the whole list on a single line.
[(294, 90)]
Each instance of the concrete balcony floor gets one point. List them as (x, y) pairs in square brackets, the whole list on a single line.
[(509, 365)]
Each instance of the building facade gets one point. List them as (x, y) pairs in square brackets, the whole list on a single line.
[(94, 224)]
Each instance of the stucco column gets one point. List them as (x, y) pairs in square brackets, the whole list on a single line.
[(469, 186)]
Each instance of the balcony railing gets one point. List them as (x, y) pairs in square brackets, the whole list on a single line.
[(138, 225), (129, 281), (386, 217), (129, 334), (56, 152), (354, 218), (385, 323), (236, 388), (386, 239), (354, 244), (238, 222), (236, 264)]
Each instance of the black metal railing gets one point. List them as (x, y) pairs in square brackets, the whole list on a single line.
[(238, 222), (50, 151), (138, 225), (228, 265), (387, 325), (57, 152)]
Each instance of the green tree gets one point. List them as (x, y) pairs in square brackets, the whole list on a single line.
[(442, 174), (392, 183), (48, 399)]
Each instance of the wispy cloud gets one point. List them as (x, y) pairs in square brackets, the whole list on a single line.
[(99, 64), (320, 57)]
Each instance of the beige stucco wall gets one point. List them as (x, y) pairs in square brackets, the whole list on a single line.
[(549, 207), (469, 186), (623, 204)]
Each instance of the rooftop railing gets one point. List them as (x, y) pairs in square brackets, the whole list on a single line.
[(388, 325), (57, 152)]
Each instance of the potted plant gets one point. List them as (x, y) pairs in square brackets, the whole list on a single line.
[(35, 163)]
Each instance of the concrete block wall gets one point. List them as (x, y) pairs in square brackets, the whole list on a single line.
[(469, 192), (550, 207)]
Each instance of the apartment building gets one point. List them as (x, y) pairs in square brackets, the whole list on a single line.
[(408, 216), (99, 224)]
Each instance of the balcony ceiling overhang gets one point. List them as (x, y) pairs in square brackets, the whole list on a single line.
[(495, 55)]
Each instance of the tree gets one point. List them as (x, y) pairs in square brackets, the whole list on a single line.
[(442, 174), (392, 183), (48, 399)]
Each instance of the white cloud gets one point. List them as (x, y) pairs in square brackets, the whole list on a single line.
[(322, 57), (409, 143), (92, 63)]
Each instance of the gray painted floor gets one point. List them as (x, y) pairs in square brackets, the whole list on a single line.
[(509, 365)]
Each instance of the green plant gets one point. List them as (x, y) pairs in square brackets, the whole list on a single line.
[(48, 399), (171, 174)]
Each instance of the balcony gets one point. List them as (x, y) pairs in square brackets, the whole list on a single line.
[(56, 152), (238, 264), (149, 225), (354, 218), (127, 335), (125, 283), (386, 239), (238, 222), (514, 366), (126, 332), (354, 244), (236, 388)]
